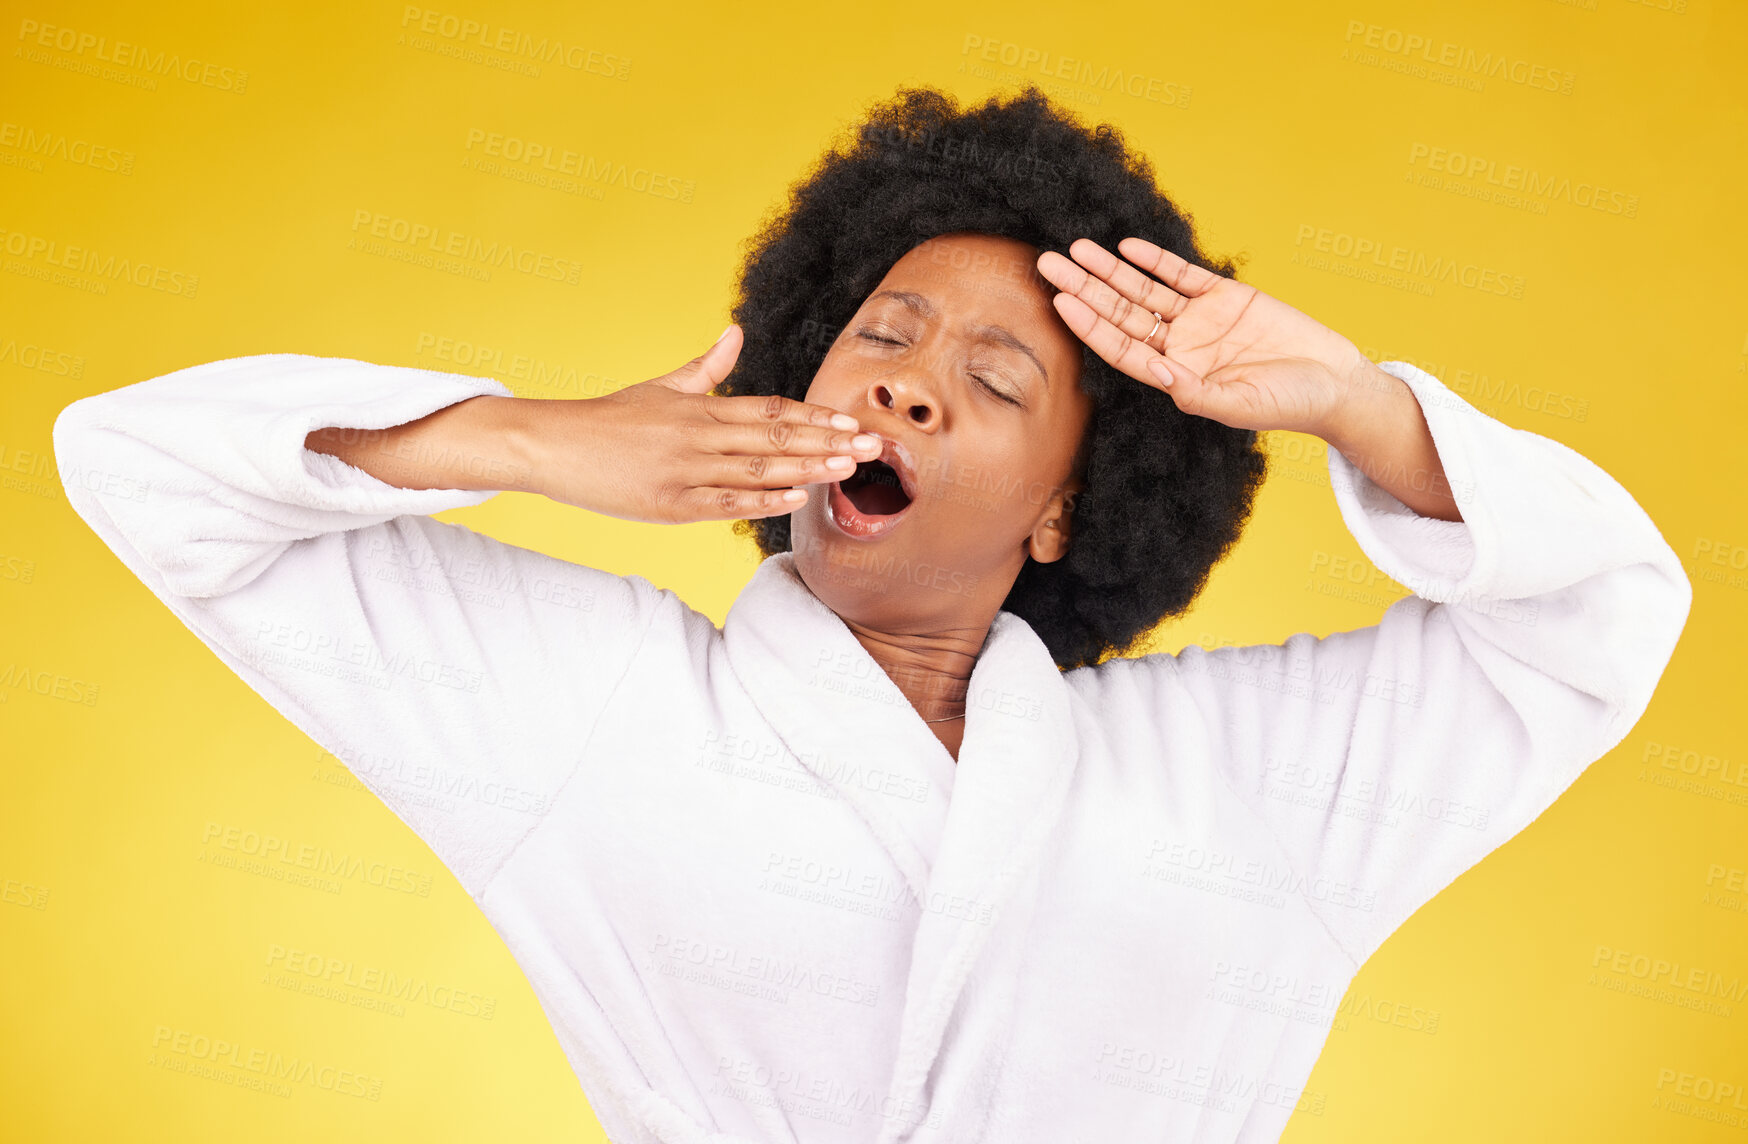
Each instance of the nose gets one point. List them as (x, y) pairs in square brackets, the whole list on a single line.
[(906, 398)]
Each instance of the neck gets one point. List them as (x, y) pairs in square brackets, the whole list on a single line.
[(932, 670)]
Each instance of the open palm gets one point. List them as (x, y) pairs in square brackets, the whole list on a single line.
[(1220, 348)]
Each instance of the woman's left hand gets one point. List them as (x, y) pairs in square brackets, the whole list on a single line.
[(1221, 350)]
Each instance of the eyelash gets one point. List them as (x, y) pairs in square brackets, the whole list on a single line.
[(993, 391)]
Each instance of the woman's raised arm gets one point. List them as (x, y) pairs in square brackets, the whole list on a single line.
[(1388, 760), (665, 451), (457, 676)]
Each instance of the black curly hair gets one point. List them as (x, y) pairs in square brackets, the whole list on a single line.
[(1166, 493)]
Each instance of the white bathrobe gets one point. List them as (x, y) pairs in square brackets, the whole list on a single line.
[(755, 895)]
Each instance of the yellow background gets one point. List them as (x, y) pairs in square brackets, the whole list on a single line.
[(1629, 344)]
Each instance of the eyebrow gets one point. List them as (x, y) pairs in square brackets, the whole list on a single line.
[(1000, 335)]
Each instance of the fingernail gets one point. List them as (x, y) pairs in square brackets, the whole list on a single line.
[(1157, 367), (795, 495), (723, 334), (862, 441), (843, 421)]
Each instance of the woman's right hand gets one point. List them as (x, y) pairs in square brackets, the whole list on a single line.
[(667, 451)]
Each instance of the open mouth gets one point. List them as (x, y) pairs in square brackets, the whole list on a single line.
[(874, 498), (875, 490)]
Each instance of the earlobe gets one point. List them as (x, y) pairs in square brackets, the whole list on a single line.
[(1049, 541)]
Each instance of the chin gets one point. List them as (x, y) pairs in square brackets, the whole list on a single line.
[(900, 574), (848, 575)]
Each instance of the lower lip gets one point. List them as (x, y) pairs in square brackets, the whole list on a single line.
[(855, 524)]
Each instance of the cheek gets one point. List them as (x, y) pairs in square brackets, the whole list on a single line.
[(830, 380), (996, 486)]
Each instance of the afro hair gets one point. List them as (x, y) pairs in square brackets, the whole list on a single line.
[(1166, 494)]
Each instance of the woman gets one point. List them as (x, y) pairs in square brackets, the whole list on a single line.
[(907, 851)]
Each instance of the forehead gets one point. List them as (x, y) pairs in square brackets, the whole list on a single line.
[(971, 268)]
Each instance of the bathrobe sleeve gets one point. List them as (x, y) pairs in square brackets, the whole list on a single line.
[(1387, 761), (457, 676)]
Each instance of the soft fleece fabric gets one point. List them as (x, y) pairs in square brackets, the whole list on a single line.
[(755, 895)]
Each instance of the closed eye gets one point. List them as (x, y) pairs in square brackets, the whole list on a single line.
[(998, 393)]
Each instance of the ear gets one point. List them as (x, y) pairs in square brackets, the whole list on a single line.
[(1049, 539)]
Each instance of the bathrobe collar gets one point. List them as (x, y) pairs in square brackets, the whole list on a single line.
[(961, 834)]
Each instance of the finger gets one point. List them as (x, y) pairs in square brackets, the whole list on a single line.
[(1151, 295), (779, 435), (706, 371), (1174, 375), (773, 471), (750, 409), (1121, 312), (707, 502), (1224, 395), (1186, 278), (1130, 355)]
